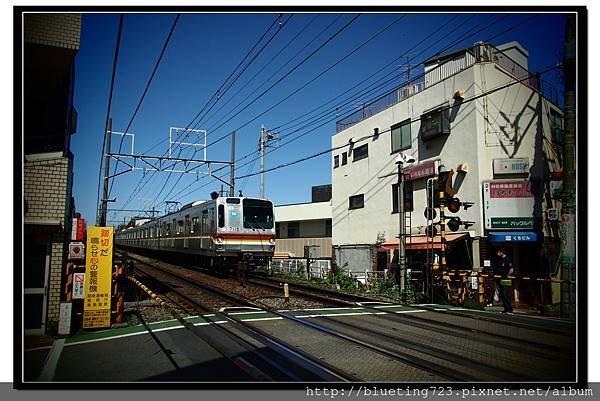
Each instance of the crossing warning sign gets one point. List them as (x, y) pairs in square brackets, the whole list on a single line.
[(78, 285), (98, 278)]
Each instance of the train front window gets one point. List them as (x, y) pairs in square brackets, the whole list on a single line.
[(258, 214)]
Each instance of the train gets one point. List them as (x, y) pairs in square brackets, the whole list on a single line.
[(216, 233)]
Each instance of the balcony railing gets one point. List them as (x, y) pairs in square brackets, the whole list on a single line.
[(482, 52)]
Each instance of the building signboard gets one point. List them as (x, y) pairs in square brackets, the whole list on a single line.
[(98, 278), (511, 166), (423, 170), (508, 205), (514, 236), (567, 234), (78, 229)]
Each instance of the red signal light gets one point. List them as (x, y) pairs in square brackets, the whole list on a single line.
[(454, 205)]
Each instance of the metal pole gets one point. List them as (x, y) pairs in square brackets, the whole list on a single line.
[(401, 235), (262, 161), (442, 233), (231, 176), (106, 173), (567, 309)]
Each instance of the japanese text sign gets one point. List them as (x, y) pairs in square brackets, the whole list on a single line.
[(98, 278)]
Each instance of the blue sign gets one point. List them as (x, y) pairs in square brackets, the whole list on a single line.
[(513, 236)]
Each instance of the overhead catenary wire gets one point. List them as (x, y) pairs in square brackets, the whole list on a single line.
[(462, 39), (412, 80), (471, 99), (160, 57), (217, 95)]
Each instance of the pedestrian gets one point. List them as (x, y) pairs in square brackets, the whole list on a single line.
[(504, 269)]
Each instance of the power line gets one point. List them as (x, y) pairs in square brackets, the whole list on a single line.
[(285, 76), (412, 80), (473, 98), (162, 52), (251, 79), (216, 95), (112, 85)]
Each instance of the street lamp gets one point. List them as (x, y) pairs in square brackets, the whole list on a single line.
[(402, 160)]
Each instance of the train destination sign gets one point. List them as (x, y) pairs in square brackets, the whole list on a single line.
[(98, 278)]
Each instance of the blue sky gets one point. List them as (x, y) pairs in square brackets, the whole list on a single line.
[(205, 49)]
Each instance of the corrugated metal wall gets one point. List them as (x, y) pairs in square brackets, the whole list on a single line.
[(296, 245)]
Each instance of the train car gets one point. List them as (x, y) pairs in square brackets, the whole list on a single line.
[(216, 233)]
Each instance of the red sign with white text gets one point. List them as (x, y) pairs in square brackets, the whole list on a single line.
[(424, 170), (510, 189)]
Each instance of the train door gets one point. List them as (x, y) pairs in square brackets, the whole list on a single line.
[(186, 232), (36, 266)]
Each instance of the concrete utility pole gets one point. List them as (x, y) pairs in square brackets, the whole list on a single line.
[(262, 161), (567, 296), (103, 205), (265, 137)]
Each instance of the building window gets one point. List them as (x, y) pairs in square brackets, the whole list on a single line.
[(361, 152), (356, 202), (556, 126), (401, 138), (435, 123), (328, 228), (336, 161), (344, 158), (408, 197), (277, 230), (293, 229)]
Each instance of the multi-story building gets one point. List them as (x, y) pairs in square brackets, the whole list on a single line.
[(51, 42), (479, 112)]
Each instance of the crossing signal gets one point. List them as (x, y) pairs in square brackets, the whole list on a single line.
[(454, 205), (454, 223)]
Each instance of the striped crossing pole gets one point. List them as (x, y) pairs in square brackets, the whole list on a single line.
[(442, 232)]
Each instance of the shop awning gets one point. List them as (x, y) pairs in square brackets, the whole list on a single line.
[(417, 242)]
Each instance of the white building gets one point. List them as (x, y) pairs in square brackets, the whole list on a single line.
[(464, 114)]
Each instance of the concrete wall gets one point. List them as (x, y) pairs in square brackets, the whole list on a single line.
[(355, 258)]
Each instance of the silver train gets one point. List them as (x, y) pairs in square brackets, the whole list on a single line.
[(216, 233)]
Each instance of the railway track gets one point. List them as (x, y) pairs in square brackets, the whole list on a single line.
[(430, 355)]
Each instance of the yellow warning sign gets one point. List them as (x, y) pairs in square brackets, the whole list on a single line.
[(98, 278)]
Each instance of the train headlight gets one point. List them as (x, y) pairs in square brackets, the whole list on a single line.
[(219, 240), (272, 241)]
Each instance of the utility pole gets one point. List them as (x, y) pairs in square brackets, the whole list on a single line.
[(262, 160), (567, 272), (232, 171), (265, 138), (104, 200)]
